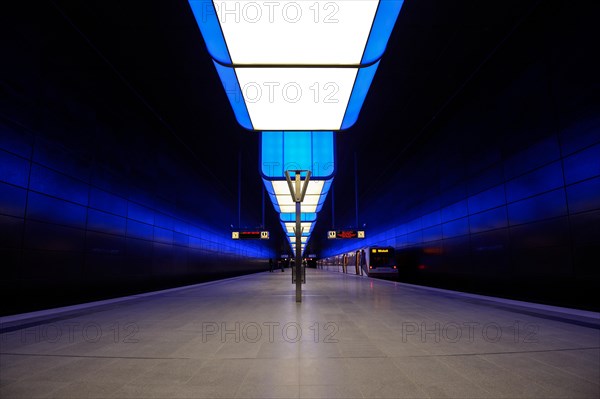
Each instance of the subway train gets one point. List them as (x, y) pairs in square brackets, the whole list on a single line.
[(372, 261)]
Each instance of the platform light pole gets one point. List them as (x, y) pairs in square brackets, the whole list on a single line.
[(298, 191)]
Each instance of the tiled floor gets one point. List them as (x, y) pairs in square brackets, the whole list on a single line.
[(350, 338)]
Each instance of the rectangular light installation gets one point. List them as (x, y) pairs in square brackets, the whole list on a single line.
[(296, 65), (298, 150), (281, 151), (289, 227), (282, 201), (249, 32), (291, 217), (292, 240)]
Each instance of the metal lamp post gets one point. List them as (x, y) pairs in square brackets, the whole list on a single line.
[(298, 191)]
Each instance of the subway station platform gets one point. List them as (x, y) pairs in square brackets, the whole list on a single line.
[(351, 337)]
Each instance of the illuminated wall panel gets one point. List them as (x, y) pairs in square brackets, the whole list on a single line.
[(67, 238)]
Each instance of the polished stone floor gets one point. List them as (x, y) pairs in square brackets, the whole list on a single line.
[(351, 337)]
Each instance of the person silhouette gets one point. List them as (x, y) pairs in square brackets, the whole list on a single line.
[(270, 265)]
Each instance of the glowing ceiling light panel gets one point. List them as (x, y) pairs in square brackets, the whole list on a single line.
[(292, 240), (282, 201), (281, 151), (249, 32), (291, 217), (307, 30), (296, 65), (301, 150), (316, 98), (289, 228), (296, 98)]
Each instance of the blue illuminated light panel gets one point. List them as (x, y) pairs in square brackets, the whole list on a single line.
[(234, 94), (286, 150), (385, 19), (209, 25), (312, 151), (282, 151), (359, 93)]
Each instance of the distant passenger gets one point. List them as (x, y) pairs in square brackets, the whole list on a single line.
[(270, 265), (281, 263)]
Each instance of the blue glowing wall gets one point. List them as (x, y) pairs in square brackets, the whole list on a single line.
[(68, 225), (100, 196), (534, 212)]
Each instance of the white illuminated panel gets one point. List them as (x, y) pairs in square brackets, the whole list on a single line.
[(312, 197), (284, 198), (303, 209), (303, 240), (309, 200), (296, 98), (315, 187), (292, 240), (296, 32), (290, 226)]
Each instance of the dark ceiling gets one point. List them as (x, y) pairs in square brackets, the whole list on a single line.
[(156, 52)]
